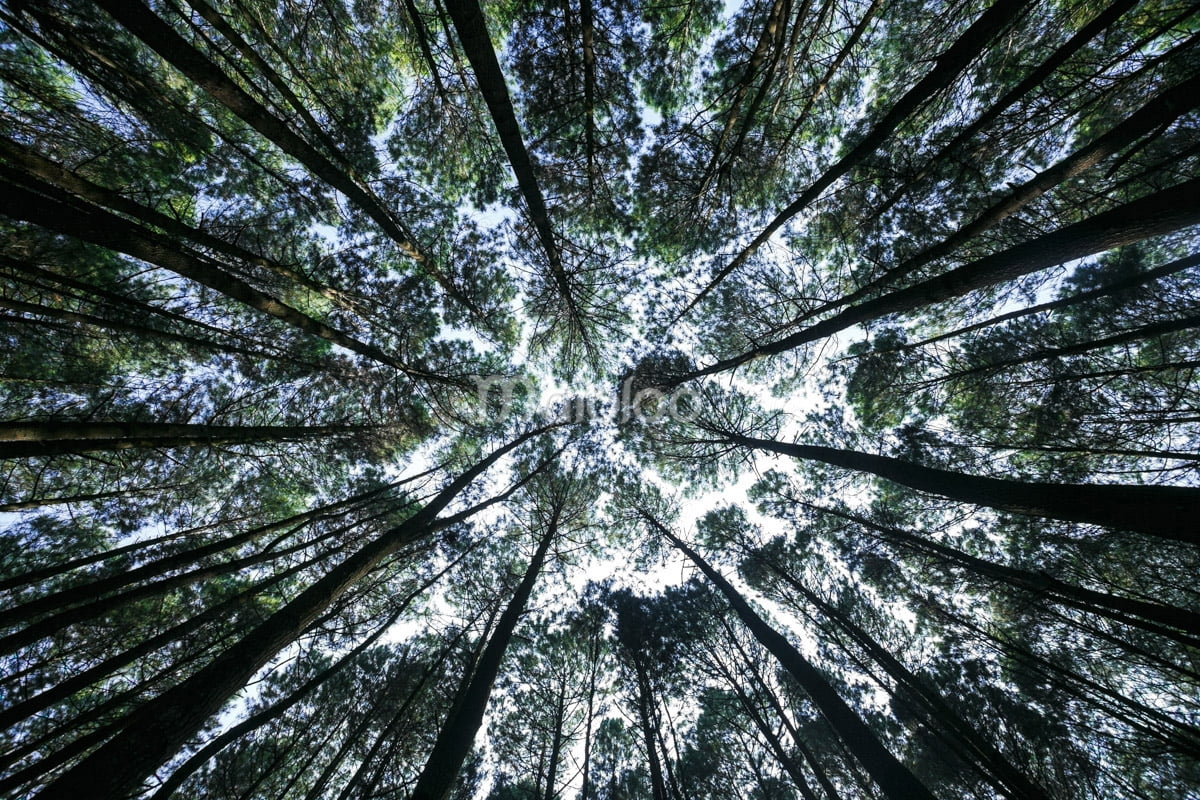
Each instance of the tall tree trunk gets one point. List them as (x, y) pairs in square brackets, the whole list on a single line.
[(1098, 24), (851, 42), (457, 735), (658, 785), (769, 33), (587, 27), (91, 590), (159, 728), (1162, 110), (895, 779), (585, 790), (1123, 609), (59, 176), (1169, 512), (806, 752), (77, 318), (30, 439), (472, 30), (1154, 215), (556, 743), (279, 708), (1108, 290), (160, 37), (98, 226), (1124, 337), (945, 721), (946, 70), (789, 764)]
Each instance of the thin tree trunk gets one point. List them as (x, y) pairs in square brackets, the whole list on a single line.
[(422, 35), (585, 790), (126, 327), (1154, 215), (806, 752), (468, 21), (1042, 584), (31, 439), (1108, 290), (1169, 512), (1099, 23), (989, 760), (59, 176), (658, 785), (159, 728), (587, 26), (1132, 335), (789, 764), (98, 226), (556, 744), (768, 34), (157, 34), (946, 70), (278, 709), (895, 779), (1162, 110), (457, 735), (91, 590)]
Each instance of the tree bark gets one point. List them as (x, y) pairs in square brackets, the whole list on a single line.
[(1168, 512), (946, 70), (472, 31), (160, 37), (457, 735), (895, 779), (159, 728), (98, 226), (1154, 215), (33, 439)]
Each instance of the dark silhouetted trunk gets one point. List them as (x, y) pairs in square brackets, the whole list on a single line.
[(895, 779), (158, 729), (946, 70), (1154, 215), (457, 735), (1166, 511)]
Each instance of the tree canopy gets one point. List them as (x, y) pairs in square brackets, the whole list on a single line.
[(641, 400)]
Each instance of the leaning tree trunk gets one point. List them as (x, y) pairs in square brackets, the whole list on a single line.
[(1130, 611), (468, 21), (1169, 512), (457, 735), (160, 37), (895, 779), (1154, 215), (158, 729), (945, 71), (945, 720), (32, 439), (47, 206)]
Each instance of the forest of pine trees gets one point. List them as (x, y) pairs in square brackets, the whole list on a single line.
[(843, 431)]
